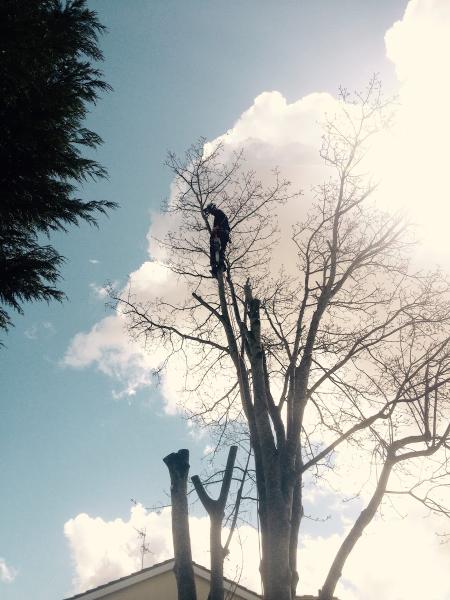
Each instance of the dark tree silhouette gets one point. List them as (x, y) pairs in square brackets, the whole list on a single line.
[(48, 80)]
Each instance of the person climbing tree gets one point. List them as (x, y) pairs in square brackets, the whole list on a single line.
[(220, 236)]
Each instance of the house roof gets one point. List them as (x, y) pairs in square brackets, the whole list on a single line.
[(163, 567)]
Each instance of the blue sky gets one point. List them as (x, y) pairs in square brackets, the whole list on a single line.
[(180, 70)]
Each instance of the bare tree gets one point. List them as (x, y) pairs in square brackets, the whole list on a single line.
[(415, 379), (347, 346)]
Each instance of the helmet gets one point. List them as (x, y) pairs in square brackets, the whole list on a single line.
[(210, 208)]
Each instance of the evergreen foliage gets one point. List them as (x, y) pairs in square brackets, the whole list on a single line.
[(48, 51)]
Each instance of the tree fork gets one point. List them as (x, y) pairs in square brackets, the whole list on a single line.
[(216, 512)]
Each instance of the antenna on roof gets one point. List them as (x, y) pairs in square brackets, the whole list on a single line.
[(144, 547)]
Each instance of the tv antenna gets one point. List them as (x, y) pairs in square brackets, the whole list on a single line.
[(144, 547)]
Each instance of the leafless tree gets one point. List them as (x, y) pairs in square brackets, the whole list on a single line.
[(346, 345)]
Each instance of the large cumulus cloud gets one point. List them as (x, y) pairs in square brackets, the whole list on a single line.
[(273, 133), (105, 550), (412, 161), (389, 555)]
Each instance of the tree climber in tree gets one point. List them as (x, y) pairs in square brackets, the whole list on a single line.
[(220, 236)]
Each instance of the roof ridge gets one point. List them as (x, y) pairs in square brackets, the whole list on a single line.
[(154, 567), (167, 563), (103, 585)]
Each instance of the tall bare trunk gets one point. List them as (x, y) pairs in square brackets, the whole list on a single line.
[(178, 465)]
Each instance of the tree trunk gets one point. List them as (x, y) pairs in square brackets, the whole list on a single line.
[(275, 567), (217, 556), (326, 593), (178, 465), (296, 517)]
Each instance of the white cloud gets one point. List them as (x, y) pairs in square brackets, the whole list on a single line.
[(49, 327), (418, 43), (398, 559), (105, 550), (394, 560), (31, 332), (412, 160), (36, 330), (273, 133), (108, 346), (99, 292), (94, 261), (7, 573), (271, 121), (382, 566)]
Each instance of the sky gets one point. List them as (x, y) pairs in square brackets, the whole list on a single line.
[(83, 427)]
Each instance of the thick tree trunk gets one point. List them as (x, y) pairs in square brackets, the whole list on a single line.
[(178, 465), (326, 593), (275, 570), (275, 567)]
